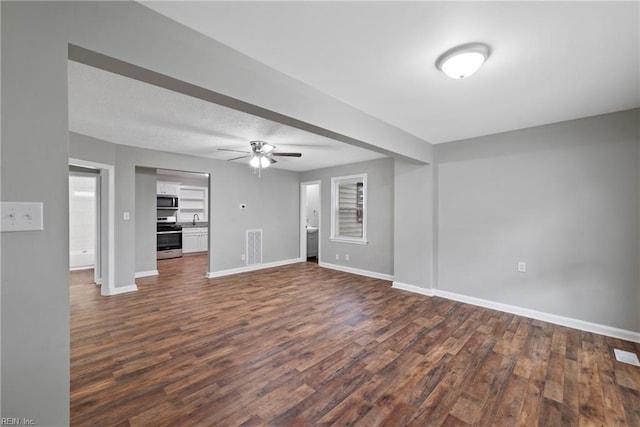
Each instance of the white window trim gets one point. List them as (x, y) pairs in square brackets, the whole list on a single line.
[(335, 181)]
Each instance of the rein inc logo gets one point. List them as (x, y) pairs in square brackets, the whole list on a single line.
[(17, 422)]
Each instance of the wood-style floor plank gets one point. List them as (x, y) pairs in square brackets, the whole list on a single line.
[(301, 345)]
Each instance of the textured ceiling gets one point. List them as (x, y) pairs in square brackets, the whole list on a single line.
[(118, 109), (550, 61)]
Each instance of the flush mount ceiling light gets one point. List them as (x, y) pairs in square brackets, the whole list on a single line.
[(462, 61)]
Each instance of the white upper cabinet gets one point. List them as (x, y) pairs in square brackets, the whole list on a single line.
[(166, 188)]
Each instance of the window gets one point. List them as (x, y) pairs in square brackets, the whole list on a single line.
[(349, 209)]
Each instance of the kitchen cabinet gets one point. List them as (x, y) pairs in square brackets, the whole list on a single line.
[(193, 200), (166, 188), (195, 239)]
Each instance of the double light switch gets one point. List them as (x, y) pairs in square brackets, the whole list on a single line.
[(21, 216)]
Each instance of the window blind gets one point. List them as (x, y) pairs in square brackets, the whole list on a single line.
[(349, 214)]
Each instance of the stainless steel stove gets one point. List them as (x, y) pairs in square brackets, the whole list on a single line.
[(169, 240)]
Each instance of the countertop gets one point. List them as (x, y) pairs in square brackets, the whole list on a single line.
[(189, 224)]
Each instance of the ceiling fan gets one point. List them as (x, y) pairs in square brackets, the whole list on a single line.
[(261, 154)]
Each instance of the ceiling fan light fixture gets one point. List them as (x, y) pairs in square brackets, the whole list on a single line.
[(464, 60), (261, 155), (260, 161), (262, 146), (267, 148), (265, 162), (255, 161)]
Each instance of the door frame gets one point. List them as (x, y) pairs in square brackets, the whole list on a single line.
[(107, 225), (97, 275), (303, 216)]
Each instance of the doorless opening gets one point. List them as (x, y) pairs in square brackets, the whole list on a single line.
[(84, 207), (104, 258), (310, 221)]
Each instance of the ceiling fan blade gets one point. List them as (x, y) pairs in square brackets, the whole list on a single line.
[(235, 151), (238, 158), (287, 154)]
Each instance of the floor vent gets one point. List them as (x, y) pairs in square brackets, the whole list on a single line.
[(254, 247), (626, 357)]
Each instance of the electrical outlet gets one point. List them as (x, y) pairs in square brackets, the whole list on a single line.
[(338, 256), (522, 267), (243, 257), (346, 257)]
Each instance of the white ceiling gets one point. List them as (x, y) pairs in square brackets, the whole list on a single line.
[(118, 109), (550, 61)]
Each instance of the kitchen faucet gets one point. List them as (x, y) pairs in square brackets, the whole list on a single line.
[(195, 215)]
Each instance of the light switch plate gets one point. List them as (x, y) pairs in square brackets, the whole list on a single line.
[(21, 216)]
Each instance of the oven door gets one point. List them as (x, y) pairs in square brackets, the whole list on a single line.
[(168, 240)]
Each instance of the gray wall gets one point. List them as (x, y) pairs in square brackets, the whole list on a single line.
[(145, 219), (272, 205), (35, 152), (35, 277), (84, 147), (377, 256), (413, 229), (564, 198), (34, 165)]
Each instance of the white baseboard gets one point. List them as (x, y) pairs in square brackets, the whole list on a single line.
[(221, 273), (140, 274), (84, 267), (357, 271), (412, 288), (119, 290), (526, 312)]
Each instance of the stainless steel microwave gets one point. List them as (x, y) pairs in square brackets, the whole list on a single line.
[(167, 202)]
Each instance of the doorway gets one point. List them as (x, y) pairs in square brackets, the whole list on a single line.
[(310, 221), (103, 222), (187, 193), (83, 219)]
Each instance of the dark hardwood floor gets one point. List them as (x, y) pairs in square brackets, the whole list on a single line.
[(304, 346)]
